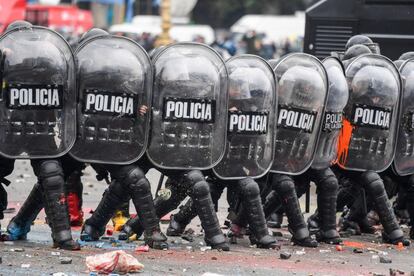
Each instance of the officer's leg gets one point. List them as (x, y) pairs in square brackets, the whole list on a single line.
[(74, 189), (20, 225), (327, 189), (410, 202), (285, 188), (188, 211), (375, 187), (162, 206), (250, 194), (51, 179), (200, 194), (114, 196), (140, 190), (6, 168)]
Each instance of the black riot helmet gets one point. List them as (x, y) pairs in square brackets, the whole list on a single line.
[(19, 24), (398, 63), (406, 56), (358, 39), (94, 32), (355, 51)]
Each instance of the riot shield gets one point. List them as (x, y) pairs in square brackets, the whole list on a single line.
[(303, 89), (368, 136), (404, 153), (251, 119), (114, 87), (326, 151), (38, 114), (189, 107)]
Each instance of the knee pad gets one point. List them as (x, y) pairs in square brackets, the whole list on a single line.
[(201, 188), (283, 183), (194, 176), (326, 180), (249, 187), (373, 182), (52, 171), (136, 180)]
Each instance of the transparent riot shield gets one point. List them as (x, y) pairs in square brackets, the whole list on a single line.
[(114, 87), (303, 89), (38, 114), (251, 119), (189, 112)]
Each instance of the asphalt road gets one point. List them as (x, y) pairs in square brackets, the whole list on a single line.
[(191, 258)]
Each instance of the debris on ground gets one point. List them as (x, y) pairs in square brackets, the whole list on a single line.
[(205, 248), (385, 260), (277, 234), (285, 255), (339, 248), (54, 253), (188, 235), (59, 274), (116, 261), (65, 260), (142, 248), (25, 266), (354, 244), (358, 250), (300, 252), (18, 249)]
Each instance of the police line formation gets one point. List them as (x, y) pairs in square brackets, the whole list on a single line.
[(262, 129)]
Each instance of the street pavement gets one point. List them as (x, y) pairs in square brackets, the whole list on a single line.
[(360, 255)]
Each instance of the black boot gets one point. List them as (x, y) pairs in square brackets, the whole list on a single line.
[(20, 225), (314, 222), (375, 187), (140, 190), (276, 219), (285, 187), (205, 209), (259, 234), (94, 227), (180, 220), (51, 180), (327, 192)]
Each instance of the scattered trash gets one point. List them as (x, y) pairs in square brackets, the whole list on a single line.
[(400, 246), (339, 248), (214, 258), (99, 245), (8, 242), (323, 251), (53, 253), (385, 260), (9, 210), (18, 249), (205, 248), (285, 255), (109, 232), (358, 250), (25, 266), (256, 253), (59, 274), (395, 272), (354, 244), (375, 257), (115, 261), (277, 234), (211, 274), (65, 260), (142, 248), (300, 252), (188, 235)]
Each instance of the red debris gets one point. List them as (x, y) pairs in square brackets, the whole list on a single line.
[(142, 248), (109, 232), (339, 248), (115, 261), (354, 244)]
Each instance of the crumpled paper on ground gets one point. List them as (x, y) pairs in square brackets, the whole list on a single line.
[(114, 261)]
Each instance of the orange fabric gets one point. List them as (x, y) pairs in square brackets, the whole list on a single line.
[(344, 142)]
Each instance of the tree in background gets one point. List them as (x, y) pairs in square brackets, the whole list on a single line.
[(223, 14)]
